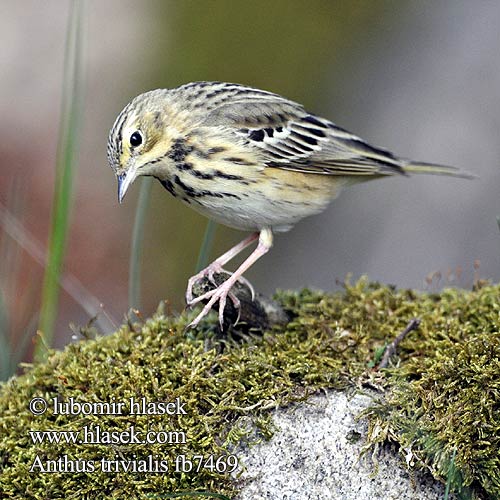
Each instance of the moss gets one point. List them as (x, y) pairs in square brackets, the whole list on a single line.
[(439, 399), (443, 402)]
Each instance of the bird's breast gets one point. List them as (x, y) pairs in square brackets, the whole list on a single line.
[(235, 188)]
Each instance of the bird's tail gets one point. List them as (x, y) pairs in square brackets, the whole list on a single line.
[(420, 167)]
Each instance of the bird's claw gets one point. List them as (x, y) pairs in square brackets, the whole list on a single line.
[(219, 294), (209, 273), (249, 285)]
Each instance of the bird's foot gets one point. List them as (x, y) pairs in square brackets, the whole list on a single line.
[(209, 273), (220, 295)]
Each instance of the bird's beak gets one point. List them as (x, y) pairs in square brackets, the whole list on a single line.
[(124, 181)]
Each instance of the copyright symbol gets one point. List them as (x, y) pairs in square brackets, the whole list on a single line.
[(38, 406)]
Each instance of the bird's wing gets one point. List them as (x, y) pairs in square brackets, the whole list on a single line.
[(293, 139)]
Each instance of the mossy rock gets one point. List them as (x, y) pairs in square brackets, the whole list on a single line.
[(439, 398)]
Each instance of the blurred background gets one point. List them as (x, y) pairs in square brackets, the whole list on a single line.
[(419, 78)]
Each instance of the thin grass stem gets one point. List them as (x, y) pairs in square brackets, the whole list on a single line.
[(71, 111), (134, 284), (206, 246)]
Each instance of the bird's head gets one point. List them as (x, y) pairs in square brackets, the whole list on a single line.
[(137, 139)]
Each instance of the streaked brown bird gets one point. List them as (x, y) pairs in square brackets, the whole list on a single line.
[(247, 158)]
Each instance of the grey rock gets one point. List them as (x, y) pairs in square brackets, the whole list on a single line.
[(316, 454)]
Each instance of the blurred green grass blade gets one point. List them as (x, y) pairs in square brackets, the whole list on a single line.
[(9, 253), (206, 245), (8, 269), (134, 290), (134, 283), (66, 162), (5, 348)]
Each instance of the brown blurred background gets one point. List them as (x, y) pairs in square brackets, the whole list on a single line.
[(420, 78)]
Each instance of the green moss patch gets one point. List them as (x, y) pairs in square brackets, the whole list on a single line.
[(439, 399)]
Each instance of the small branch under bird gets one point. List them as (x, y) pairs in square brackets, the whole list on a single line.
[(247, 158)]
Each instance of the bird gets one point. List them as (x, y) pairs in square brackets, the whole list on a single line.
[(247, 158)]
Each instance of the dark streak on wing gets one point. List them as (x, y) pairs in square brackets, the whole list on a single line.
[(315, 145), (310, 140), (363, 146), (301, 147), (293, 139), (314, 121), (284, 151), (257, 135), (311, 130)]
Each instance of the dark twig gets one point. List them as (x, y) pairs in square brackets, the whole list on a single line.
[(391, 348)]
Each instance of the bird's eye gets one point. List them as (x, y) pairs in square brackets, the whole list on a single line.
[(136, 139)]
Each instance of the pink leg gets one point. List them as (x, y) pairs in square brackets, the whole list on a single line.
[(221, 292), (216, 267)]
